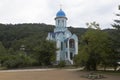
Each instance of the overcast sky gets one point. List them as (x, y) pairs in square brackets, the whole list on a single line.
[(78, 12)]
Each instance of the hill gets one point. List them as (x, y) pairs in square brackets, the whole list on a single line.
[(11, 33)]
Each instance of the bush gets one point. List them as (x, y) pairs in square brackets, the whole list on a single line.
[(19, 60), (61, 64)]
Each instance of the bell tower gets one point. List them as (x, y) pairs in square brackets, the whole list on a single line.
[(60, 21), (66, 42)]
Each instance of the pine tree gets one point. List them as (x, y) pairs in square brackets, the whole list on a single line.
[(116, 42), (116, 33)]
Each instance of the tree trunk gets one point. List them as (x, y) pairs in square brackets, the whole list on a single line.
[(87, 66), (93, 66)]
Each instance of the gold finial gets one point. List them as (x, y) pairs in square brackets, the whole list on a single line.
[(60, 6)]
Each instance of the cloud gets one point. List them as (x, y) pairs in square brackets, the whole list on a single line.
[(44, 11)]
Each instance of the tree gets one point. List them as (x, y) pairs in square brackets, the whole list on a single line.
[(2, 49), (116, 33), (45, 53), (93, 47), (3, 53), (18, 60), (116, 42)]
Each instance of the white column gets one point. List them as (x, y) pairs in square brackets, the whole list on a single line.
[(76, 47), (68, 50), (58, 51)]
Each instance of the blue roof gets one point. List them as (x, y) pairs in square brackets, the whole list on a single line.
[(55, 33), (60, 13), (66, 39)]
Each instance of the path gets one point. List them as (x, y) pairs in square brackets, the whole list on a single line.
[(39, 74), (46, 74)]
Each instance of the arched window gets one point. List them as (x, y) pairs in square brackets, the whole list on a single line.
[(61, 45), (71, 55), (72, 43), (58, 22), (66, 55), (66, 44), (62, 22)]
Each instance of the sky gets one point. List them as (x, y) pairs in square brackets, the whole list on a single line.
[(78, 12)]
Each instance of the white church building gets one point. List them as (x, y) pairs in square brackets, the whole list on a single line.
[(66, 42)]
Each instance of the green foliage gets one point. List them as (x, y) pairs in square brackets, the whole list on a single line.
[(12, 33), (3, 53), (94, 47), (38, 51), (2, 49), (18, 60), (77, 61), (115, 45), (45, 53), (61, 64)]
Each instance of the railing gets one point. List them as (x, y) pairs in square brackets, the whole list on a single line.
[(72, 49)]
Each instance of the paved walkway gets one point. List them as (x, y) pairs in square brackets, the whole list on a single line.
[(26, 70), (40, 74), (47, 74)]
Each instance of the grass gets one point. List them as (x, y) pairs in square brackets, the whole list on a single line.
[(108, 72), (3, 68)]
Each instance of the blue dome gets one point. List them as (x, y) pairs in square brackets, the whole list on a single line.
[(60, 13)]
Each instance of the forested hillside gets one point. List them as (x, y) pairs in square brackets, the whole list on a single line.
[(19, 40), (11, 33), (24, 45)]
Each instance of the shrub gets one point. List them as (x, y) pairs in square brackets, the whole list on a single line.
[(19, 60), (61, 64)]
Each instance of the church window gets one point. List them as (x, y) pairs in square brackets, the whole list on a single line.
[(71, 55), (61, 45), (66, 55), (66, 44), (58, 22), (63, 22), (71, 43)]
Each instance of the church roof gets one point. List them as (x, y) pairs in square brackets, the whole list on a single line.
[(60, 13), (56, 33), (66, 39)]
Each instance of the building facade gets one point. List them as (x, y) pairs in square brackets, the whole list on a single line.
[(66, 42)]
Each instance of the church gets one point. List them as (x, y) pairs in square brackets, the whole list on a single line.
[(66, 42)]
